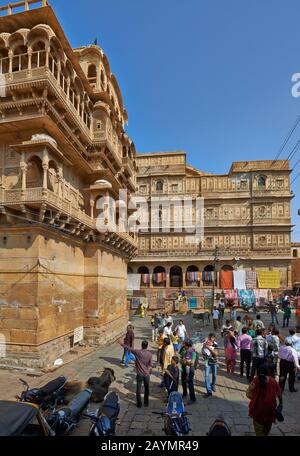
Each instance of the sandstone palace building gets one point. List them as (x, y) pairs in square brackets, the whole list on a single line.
[(63, 146), (247, 217)]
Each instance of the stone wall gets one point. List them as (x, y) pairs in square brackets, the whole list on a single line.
[(48, 287)]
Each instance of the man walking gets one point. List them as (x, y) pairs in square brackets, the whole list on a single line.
[(286, 316), (259, 352), (273, 312), (188, 360), (210, 357), (289, 363), (143, 365), (245, 343), (215, 318), (128, 342), (182, 332), (222, 311)]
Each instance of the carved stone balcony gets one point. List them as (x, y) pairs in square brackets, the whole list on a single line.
[(64, 214)]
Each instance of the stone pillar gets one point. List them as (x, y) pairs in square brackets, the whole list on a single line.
[(60, 181), (151, 281), (184, 279), (168, 280), (68, 88), (10, 57), (24, 172), (47, 55), (45, 176), (29, 53), (289, 276), (58, 71), (92, 204)]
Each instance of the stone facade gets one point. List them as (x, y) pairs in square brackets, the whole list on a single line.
[(62, 147), (247, 215), (296, 263)]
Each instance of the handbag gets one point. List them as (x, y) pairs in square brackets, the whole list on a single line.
[(212, 361)]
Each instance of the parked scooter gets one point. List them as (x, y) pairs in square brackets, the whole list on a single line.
[(105, 422), (219, 428), (64, 420), (175, 418), (47, 397)]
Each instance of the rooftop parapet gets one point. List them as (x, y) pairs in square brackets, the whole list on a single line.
[(14, 8)]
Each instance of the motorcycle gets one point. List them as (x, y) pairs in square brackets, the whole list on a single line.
[(175, 418), (105, 423), (219, 428), (64, 420), (47, 397)]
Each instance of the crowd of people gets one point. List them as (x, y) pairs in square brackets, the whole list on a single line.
[(264, 353)]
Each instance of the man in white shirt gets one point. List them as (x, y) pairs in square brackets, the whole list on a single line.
[(182, 332), (221, 310), (289, 363), (215, 318), (168, 330)]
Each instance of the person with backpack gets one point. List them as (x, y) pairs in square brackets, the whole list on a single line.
[(189, 361), (171, 376), (209, 352)]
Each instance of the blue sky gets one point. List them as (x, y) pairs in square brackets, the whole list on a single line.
[(210, 77)]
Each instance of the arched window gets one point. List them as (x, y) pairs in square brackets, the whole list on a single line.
[(159, 186), (261, 181), (20, 59), (159, 276), (208, 275), (227, 267), (295, 253), (192, 275), (38, 58), (92, 74), (34, 175), (176, 276)]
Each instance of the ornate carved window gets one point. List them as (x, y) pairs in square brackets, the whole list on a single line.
[(159, 186), (92, 74), (261, 181), (280, 183)]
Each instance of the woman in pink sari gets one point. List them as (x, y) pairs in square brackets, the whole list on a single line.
[(231, 355)]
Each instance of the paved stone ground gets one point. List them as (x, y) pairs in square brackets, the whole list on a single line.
[(229, 399)]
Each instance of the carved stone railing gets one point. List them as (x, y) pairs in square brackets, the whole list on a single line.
[(25, 3), (42, 196)]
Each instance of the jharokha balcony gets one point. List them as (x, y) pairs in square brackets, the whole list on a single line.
[(44, 206), (42, 80)]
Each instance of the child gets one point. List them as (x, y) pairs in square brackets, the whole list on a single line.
[(171, 376), (176, 341), (251, 331)]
